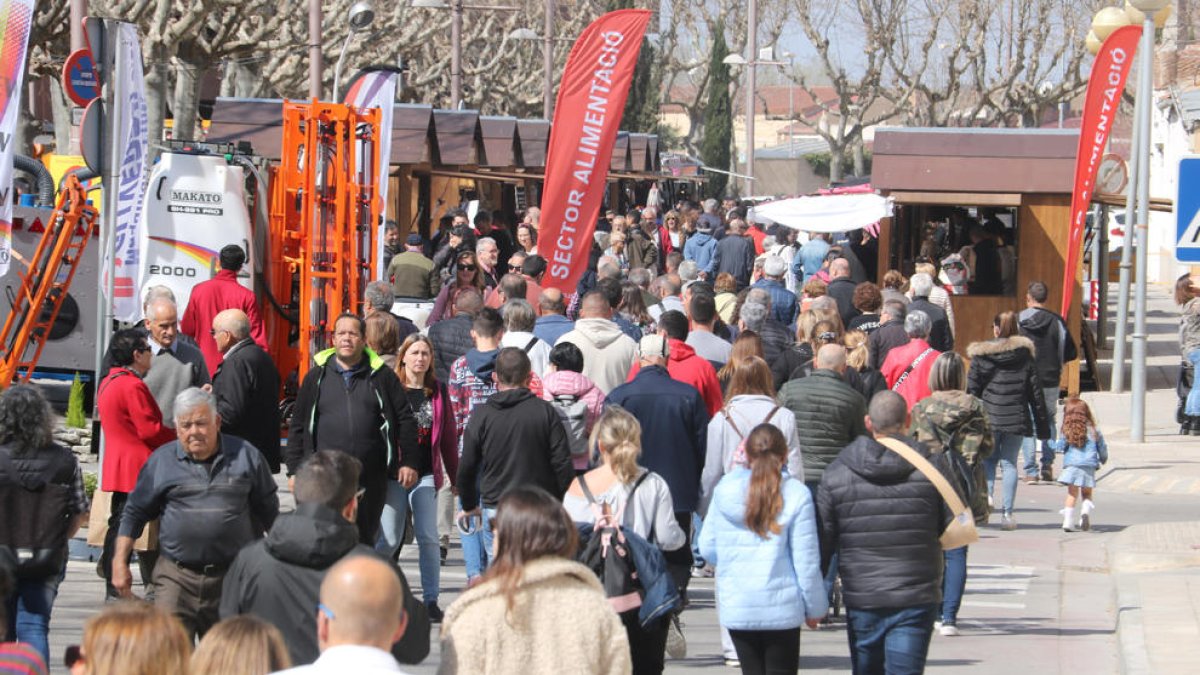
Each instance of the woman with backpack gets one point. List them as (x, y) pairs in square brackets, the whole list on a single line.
[(536, 610), (749, 403), (952, 421), (761, 534), (641, 500), (576, 398)]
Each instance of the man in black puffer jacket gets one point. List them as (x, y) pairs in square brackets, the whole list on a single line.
[(452, 336), (832, 412), (278, 579), (884, 519)]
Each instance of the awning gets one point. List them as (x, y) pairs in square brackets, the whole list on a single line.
[(827, 213)]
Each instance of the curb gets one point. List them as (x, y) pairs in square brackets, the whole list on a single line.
[(1131, 631)]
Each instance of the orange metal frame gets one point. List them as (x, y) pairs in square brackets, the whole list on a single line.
[(323, 218), (44, 285)]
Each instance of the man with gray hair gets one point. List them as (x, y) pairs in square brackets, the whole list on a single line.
[(775, 336), (519, 321), (552, 322), (783, 302), (889, 335), (379, 298), (487, 255), (907, 367), (201, 529), (246, 386), (891, 576), (940, 335), (177, 366)]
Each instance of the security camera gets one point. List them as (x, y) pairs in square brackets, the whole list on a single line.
[(362, 15)]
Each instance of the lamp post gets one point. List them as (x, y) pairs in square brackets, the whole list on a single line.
[(457, 8), (752, 50), (548, 60), (359, 18), (316, 63)]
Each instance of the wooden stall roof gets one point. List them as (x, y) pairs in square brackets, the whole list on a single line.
[(500, 146), (443, 139), (1028, 161)]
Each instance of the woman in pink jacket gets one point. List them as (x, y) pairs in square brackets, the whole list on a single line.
[(578, 400)]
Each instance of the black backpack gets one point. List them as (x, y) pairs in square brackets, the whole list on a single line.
[(607, 554), (33, 530)]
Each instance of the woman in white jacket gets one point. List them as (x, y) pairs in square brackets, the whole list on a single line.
[(749, 402), (642, 498)]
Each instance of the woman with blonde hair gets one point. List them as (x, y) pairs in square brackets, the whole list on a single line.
[(813, 288), (761, 533), (870, 380), (133, 638), (241, 645), (643, 500), (536, 609), (726, 296)]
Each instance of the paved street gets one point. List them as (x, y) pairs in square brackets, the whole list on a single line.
[(1121, 598)]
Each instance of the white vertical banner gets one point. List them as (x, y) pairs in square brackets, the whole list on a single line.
[(129, 165), (377, 89), (16, 17)]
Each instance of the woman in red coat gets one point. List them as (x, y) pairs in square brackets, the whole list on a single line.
[(133, 427)]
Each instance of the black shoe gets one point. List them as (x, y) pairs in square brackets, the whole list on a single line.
[(1047, 474), (1186, 427), (444, 551), (435, 612)]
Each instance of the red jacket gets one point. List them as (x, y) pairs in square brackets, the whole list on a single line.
[(212, 297), (132, 426), (684, 366), (916, 384)]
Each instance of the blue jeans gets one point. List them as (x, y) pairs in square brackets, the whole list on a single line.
[(29, 612), (697, 523), (892, 641), (475, 555), (1192, 407), (954, 582), (1028, 445), (1007, 447), (423, 500)]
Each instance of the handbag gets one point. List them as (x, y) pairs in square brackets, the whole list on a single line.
[(961, 530)]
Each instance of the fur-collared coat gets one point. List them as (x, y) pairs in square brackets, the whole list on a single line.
[(560, 622), (1004, 374)]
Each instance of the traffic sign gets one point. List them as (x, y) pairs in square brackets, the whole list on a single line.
[(79, 77), (1187, 211), (91, 136)]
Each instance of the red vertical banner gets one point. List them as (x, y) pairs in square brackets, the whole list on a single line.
[(1105, 86), (587, 115)]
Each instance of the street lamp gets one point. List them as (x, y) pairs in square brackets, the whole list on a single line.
[(457, 8), (359, 18), (739, 60)]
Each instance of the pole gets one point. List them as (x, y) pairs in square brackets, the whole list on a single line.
[(337, 69), (78, 12), (315, 63), (548, 61), (102, 55), (456, 14), (751, 67), (1137, 418), (1123, 284)]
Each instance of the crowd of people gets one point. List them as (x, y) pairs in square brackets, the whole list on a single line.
[(722, 397)]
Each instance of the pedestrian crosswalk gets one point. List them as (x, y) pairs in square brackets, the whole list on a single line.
[(1149, 482), (997, 586)]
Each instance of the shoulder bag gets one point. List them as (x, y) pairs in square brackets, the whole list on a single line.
[(961, 531)]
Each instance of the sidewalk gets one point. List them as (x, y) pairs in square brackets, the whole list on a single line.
[(1155, 565)]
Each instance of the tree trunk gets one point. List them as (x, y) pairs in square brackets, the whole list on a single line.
[(156, 103), (65, 141), (860, 160), (836, 155), (184, 104)]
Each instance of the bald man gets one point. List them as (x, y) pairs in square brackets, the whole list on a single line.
[(841, 289), (552, 322), (359, 619), (246, 385), (608, 353)]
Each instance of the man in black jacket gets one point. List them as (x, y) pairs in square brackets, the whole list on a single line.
[(834, 412), (246, 386), (841, 288), (735, 254), (1054, 347), (351, 401), (884, 519), (278, 579), (514, 439), (890, 333), (941, 337), (452, 337)]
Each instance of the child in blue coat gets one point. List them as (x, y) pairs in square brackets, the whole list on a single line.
[(1084, 451), (761, 535)]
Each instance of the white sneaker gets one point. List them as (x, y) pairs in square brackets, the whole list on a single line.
[(704, 572), (732, 662), (948, 630)]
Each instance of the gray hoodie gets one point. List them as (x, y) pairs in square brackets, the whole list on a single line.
[(608, 353)]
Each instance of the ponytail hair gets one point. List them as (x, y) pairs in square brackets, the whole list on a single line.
[(618, 436), (1077, 421), (766, 450)]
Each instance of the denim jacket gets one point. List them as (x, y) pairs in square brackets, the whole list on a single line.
[(1093, 454), (661, 594)]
